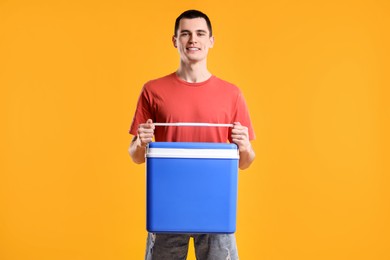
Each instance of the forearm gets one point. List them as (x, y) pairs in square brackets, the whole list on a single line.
[(137, 151), (246, 158)]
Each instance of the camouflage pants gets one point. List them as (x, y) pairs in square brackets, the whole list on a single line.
[(175, 246)]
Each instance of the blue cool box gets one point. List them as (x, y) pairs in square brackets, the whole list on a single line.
[(191, 187)]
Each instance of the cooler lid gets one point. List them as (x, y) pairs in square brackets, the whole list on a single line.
[(192, 150)]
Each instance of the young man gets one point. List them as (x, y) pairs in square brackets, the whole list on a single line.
[(192, 94)]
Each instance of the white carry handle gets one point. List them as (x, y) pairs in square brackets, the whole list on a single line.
[(193, 124)]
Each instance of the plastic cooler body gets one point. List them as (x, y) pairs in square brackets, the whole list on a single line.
[(191, 187)]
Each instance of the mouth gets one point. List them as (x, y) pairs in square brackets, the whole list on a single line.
[(193, 49)]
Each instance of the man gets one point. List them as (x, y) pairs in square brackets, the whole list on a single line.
[(192, 94)]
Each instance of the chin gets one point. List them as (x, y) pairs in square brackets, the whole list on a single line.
[(195, 59)]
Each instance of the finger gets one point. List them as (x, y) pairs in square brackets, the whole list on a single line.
[(240, 137), (142, 134), (238, 142), (145, 135), (236, 125), (146, 126), (145, 130), (240, 131), (150, 124), (145, 138)]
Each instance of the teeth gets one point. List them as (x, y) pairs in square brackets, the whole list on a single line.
[(193, 49)]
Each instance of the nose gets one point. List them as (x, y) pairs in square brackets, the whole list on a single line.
[(192, 38)]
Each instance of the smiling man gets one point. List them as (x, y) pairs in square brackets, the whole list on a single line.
[(192, 94)]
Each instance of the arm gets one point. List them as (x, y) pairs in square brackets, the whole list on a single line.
[(240, 137), (144, 136)]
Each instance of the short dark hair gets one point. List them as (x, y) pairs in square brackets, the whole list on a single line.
[(191, 14)]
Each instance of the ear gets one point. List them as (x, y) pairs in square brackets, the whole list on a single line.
[(174, 41), (212, 40)]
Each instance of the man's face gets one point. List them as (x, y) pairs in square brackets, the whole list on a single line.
[(193, 40)]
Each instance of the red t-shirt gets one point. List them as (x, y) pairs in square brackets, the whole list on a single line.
[(172, 100)]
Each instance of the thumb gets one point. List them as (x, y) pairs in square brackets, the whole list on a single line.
[(149, 122)]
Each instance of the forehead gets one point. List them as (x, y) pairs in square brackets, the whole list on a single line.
[(194, 24)]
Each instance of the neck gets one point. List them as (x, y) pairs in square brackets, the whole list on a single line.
[(193, 73)]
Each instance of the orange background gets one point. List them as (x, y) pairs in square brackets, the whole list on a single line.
[(316, 78)]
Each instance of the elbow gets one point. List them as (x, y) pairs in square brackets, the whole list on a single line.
[(138, 160), (244, 166), (136, 157), (244, 163)]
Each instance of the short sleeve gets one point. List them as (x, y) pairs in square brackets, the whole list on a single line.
[(143, 111), (241, 114)]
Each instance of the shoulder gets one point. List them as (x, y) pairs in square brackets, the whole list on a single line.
[(228, 86), (151, 84)]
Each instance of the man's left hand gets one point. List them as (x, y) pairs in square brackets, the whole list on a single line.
[(240, 136)]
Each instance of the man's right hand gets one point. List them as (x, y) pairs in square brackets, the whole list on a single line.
[(145, 133)]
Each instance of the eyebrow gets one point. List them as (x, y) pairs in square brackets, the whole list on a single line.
[(198, 31)]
